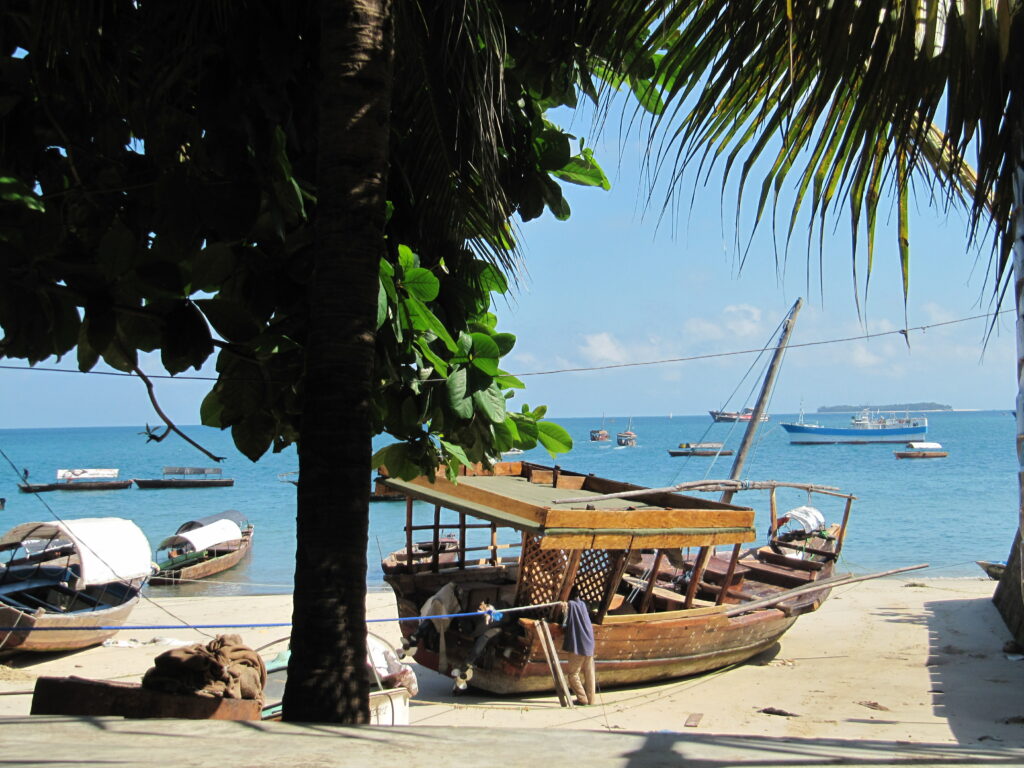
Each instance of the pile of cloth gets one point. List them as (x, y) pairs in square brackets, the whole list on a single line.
[(223, 668)]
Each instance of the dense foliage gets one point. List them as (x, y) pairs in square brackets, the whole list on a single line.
[(158, 188)]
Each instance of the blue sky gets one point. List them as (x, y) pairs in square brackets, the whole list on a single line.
[(615, 285)]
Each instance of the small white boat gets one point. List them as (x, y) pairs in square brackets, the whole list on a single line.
[(917, 450)]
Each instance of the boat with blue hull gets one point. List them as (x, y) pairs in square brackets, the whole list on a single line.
[(865, 427)]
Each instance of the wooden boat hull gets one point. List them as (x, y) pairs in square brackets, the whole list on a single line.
[(697, 452), (76, 630), (184, 483), (921, 454), (208, 567), (99, 485)]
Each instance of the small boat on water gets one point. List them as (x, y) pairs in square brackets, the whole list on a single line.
[(922, 451), (78, 480), (659, 610), (68, 585), (700, 449), (865, 427), (203, 547), (599, 435), (746, 414), (627, 438), (187, 477)]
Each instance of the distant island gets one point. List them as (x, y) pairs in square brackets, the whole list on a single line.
[(892, 407)]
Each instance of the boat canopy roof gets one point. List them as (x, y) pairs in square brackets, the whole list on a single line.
[(206, 536), (925, 446), (87, 474), (192, 470), (109, 548), (525, 496), (228, 514)]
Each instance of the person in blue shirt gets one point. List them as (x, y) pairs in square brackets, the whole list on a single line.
[(579, 644)]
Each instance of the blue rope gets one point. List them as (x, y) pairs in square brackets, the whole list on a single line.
[(496, 615)]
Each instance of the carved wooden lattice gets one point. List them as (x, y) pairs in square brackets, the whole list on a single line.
[(541, 572), (595, 570)]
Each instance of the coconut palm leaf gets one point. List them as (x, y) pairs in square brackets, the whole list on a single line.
[(849, 97)]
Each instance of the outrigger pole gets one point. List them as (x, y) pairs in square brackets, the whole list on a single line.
[(762, 398)]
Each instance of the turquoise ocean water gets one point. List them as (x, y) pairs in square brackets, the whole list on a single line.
[(947, 512)]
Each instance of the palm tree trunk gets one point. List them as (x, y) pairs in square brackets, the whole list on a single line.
[(327, 679), (1009, 595)]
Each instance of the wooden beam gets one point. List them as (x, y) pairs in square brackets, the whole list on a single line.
[(645, 603), (695, 576), (731, 570)]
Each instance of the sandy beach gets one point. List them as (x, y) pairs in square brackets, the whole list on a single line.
[(902, 660)]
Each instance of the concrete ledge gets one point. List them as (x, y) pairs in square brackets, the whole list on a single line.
[(63, 742)]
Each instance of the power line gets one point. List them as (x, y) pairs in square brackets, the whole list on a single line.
[(583, 369)]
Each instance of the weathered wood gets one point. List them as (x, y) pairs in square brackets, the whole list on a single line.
[(730, 573), (707, 485), (103, 698), (645, 603), (473, 494), (696, 575), (551, 655), (652, 541), (649, 518)]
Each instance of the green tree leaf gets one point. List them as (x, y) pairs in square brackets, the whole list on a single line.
[(554, 438), (421, 283)]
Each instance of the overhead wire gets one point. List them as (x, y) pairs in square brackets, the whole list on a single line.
[(580, 369)]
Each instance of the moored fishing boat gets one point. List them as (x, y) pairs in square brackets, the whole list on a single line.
[(628, 437), (187, 477), (922, 451), (67, 585), (78, 480), (865, 427), (203, 547), (700, 449), (658, 612), (745, 415)]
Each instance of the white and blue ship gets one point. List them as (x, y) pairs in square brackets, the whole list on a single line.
[(865, 427)]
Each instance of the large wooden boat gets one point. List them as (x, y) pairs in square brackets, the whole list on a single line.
[(78, 480), (658, 611), (187, 477), (203, 547), (68, 585)]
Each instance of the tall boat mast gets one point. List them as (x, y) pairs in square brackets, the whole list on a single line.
[(763, 397)]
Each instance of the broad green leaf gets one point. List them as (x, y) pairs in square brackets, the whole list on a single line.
[(554, 438), (505, 342), (421, 283), (491, 403), (382, 304), (484, 346), (406, 258), (396, 460), (456, 451), (584, 170), (423, 319), (231, 320), (488, 365), (508, 381), (457, 389), (255, 434)]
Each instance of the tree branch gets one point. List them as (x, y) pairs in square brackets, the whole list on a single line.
[(152, 435)]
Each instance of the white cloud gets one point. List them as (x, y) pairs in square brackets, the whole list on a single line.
[(743, 320), (603, 349)]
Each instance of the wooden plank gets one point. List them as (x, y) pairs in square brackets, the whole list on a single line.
[(693, 720), (649, 518), (630, 618), (658, 541), (542, 477), (497, 501), (98, 698), (571, 482)]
